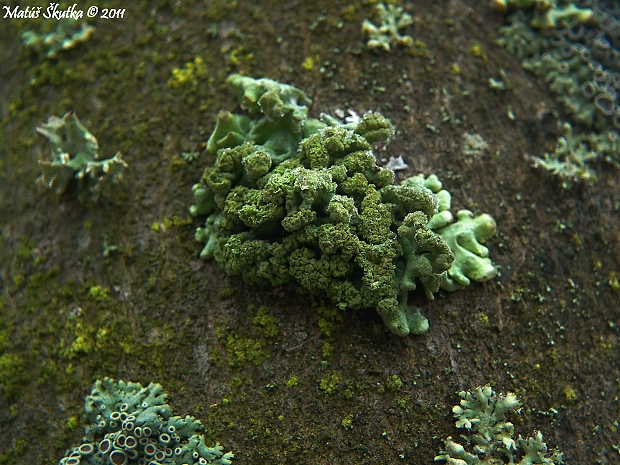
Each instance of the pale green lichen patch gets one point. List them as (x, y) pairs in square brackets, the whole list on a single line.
[(491, 437), (569, 159), (68, 33), (75, 157), (547, 14), (391, 19)]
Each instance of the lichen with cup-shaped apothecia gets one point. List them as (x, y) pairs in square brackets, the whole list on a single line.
[(130, 424)]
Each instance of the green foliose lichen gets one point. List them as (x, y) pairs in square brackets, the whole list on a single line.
[(293, 198)]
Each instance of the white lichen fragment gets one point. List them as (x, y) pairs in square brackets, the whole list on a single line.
[(396, 164)]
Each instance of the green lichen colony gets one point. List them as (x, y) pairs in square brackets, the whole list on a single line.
[(293, 198)]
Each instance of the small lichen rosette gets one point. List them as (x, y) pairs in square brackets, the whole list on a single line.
[(133, 425), (391, 19), (75, 158), (308, 203), (491, 441)]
